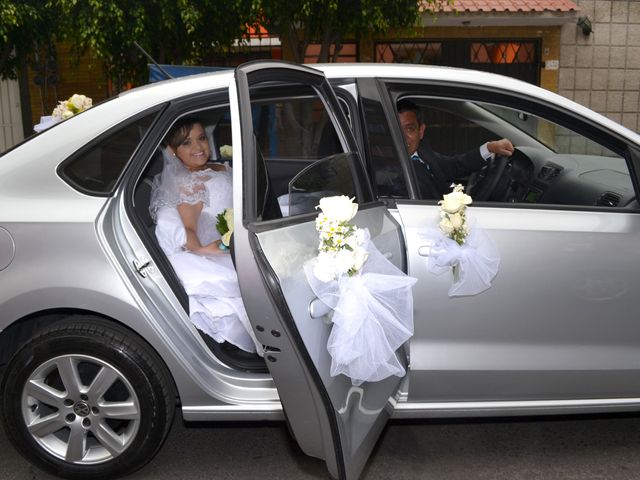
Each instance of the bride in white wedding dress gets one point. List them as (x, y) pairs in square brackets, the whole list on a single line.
[(186, 198)]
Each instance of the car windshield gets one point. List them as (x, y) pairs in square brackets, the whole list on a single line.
[(553, 136)]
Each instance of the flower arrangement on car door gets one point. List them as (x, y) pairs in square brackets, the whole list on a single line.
[(370, 297), (469, 253)]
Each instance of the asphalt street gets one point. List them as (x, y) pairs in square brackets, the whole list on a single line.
[(550, 448)]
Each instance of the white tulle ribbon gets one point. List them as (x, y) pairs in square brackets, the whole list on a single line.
[(45, 122), (372, 317), (476, 261)]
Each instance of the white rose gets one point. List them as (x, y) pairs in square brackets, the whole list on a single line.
[(456, 220), (67, 114), (57, 112), (226, 151), (322, 269), (454, 202), (339, 208), (331, 265), (352, 242), (228, 217), (360, 257), (446, 227), (343, 261), (80, 102), (226, 238)]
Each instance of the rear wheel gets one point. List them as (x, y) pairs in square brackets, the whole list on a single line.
[(87, 399)]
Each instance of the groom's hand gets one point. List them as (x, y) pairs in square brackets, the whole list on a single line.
[(501, 147)]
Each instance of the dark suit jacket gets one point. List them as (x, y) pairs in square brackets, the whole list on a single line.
[(439, 171)]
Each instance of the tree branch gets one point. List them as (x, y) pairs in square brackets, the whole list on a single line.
[(4, 58)]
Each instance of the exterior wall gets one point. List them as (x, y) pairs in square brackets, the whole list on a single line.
[(602, 70), (549, 35), (84, 77), (10, 114)]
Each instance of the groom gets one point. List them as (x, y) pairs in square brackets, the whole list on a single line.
[(436, 172)]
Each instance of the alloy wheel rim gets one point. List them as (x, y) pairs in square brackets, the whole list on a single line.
[(80, 409)]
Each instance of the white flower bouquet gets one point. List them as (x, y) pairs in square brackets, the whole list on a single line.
[(226, 152), (370, 298), (340, 249), (453, 218), (224, 226), (470, 254), (74, 104)]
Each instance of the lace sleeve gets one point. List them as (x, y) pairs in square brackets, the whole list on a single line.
[(193, 190), (176, 185)]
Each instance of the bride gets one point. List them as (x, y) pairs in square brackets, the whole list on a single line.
[(186, 198)]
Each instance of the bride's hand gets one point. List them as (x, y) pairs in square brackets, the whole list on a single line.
[(214, 247), (217, 244)]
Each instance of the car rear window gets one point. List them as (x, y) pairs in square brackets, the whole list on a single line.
[(95, 169)]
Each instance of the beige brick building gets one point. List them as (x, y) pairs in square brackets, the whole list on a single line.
[(586, 50), (602, 69)]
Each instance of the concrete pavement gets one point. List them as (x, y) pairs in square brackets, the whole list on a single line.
[(567, 448)]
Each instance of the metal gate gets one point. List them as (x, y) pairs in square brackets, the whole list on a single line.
[(518, 58)]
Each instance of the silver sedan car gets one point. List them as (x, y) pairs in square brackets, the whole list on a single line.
[(96, 346)]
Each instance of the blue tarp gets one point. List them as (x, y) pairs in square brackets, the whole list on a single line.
[(155, 75)]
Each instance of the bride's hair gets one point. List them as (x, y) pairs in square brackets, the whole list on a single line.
[(179, 131)]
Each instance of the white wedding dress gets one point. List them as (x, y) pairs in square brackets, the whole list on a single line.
[(211, 281)]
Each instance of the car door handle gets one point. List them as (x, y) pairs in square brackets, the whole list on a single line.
[(424, 251), (317, 308)]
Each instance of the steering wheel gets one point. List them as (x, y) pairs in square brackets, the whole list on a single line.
[(482, 184)]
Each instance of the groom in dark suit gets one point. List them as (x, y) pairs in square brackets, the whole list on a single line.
[(436, 172)]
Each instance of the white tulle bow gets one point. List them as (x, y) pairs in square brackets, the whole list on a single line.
[(372, 318), (476, 261)]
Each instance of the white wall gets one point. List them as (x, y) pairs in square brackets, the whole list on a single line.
[(10, 114)]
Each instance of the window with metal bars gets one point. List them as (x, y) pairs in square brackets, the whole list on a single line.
[(348, 53), (502, 52), (427, 53)]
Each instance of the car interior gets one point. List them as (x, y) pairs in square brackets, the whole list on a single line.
[(218, 130), (551, 165), (300, 159)]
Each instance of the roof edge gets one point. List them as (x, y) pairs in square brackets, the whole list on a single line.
[(498, 19)]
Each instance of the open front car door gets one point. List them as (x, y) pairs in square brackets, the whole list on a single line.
[(292, 146)]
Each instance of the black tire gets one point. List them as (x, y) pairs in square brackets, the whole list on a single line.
[(90, 428)]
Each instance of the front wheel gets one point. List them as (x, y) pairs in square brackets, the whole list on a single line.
[(87, 399)]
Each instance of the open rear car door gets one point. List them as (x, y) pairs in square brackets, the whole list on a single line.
[(275, 234)]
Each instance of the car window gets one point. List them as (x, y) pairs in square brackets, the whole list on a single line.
[(95, 170), (553, 164), (450, 131), (301, 157), (387, 174), (294, 128)]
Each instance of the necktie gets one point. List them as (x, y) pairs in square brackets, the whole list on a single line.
[(426, 180), (417, 158)]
